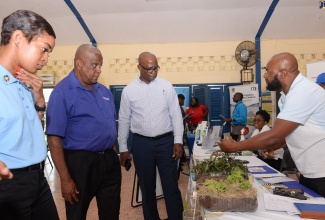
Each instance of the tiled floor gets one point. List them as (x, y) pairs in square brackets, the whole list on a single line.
[(126, 211)]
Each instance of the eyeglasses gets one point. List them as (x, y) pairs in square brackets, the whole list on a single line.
[(156, 69), (257, 121), (266, 73)]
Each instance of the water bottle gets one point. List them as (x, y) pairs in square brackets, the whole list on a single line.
[(191, 196)]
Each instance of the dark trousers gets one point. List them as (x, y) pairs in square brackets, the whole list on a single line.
[(276, 164), (27, 196), (315, 184), (147, 154), (96, 175), (235, 137), (235, 133)]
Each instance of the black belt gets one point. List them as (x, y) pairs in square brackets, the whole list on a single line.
[(102, 152), (29, 168), (156, 137)]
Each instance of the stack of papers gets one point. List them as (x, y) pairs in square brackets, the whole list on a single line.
[(282, 203)]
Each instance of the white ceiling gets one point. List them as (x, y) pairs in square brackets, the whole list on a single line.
[(173, 21)]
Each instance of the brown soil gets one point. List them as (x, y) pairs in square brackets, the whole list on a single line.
[(234, 199)]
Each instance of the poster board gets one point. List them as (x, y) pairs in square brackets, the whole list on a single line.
[(314, 69), (269, 104)]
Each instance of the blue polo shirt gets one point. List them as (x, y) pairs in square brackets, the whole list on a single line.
[(22, 140), (84, 120)]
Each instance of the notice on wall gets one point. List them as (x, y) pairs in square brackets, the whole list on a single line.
[(269, 104), (314, 69)]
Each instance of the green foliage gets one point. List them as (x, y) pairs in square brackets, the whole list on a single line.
[(245, 185), (237, 176), (212, 184), (235, 179), (236, 171), (222, 165)]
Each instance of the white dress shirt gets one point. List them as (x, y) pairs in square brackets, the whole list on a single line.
[(149, 110)]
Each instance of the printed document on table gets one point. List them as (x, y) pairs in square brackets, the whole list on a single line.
[(282, 203), (277, 179)]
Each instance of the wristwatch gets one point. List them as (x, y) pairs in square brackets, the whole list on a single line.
[(39, 109)]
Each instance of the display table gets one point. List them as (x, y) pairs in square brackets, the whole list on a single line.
[(200, 153)]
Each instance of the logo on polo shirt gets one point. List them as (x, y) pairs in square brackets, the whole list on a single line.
[(105, 98), (6, 78)]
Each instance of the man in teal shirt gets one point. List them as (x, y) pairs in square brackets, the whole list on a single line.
[(239, 116)]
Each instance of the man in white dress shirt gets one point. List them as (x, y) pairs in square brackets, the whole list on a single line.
[(150, 109)]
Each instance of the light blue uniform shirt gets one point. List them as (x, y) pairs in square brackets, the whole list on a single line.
[(22, 140)]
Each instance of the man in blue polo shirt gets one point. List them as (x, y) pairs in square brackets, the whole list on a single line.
[(81, 129)]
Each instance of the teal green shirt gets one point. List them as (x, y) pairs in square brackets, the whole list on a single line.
[(239, 114)]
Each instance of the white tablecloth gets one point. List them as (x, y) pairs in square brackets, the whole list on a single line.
[(261, 213)]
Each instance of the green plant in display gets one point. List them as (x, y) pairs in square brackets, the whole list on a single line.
[(245, 185), (237, 176), (223, 165), (212, 184)]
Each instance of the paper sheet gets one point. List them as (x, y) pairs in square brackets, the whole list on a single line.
[(277, 179), (282, 203)]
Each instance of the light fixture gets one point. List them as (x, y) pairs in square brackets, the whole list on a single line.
[(246, 75)]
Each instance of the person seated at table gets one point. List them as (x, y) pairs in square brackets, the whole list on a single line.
[(196, 113), (272, 158)]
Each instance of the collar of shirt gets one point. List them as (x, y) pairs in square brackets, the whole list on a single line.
[(6, 77), (298, 78), (140, 81), (282, 98), (75, 83)]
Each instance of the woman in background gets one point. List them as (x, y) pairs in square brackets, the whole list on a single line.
[(196, 113), (273, 158)]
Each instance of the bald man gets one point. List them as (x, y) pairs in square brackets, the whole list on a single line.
[(150, 109), (300, 123), (81, 132)]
